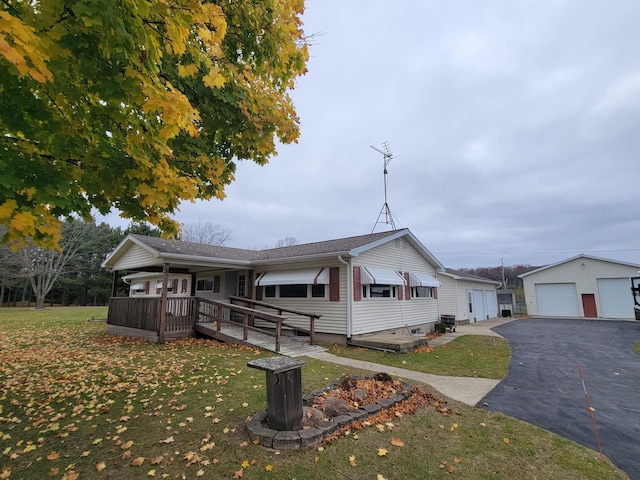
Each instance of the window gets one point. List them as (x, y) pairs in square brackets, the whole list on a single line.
[(293, 291), (317, 291), (169, 286), (270, 291), (242, 285), (204, 285), (138, 288), (378, 291), (421, 292)]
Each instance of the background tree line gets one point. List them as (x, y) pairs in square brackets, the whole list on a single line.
[(72, 274)]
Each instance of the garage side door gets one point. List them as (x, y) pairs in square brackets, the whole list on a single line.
[(492, 304), (557, 299), (615, 298)]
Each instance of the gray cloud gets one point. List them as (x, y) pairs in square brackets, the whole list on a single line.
[(514, 123)]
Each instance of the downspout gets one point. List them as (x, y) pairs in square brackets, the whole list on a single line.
[(349, 298)]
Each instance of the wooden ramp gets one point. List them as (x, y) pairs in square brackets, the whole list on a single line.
[(230, 333)]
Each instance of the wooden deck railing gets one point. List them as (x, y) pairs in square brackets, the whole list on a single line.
[(310, 316), (144, 313), (210, 311), (183, 313)]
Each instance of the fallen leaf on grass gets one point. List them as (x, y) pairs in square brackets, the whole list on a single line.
[(6, 472), (156, 460), (352, 461), (53, 456), (397, 442), (101, 466), (151, 473), (127, 445), (137, 462), (70, 475), (268, 468), (238, 474), (382, 452)]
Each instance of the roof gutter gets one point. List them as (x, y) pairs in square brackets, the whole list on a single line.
[(349, 297)]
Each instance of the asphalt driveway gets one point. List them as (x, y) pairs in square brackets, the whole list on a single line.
[(544, 387)]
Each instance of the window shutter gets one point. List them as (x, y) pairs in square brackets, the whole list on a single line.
[(407, 286), (334, 284), (184, 286), (146, 287), (259, 293), (174, 289), (435, 293), (357, 286), (401, 291)]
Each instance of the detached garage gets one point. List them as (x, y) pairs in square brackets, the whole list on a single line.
[(582, 286)]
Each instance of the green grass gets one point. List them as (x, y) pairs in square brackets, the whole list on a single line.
[(73, 399), (466, 356)]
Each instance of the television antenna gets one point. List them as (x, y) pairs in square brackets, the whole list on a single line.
[(385, 211)]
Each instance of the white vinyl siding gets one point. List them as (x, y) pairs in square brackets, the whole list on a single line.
[(334, 314), (373, 315), (615, 297), (557, 300), (136, 257)]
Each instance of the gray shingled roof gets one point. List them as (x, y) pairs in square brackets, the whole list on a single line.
[(470, 276), (164, 245)]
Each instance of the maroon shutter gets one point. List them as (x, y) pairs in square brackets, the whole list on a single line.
[(407, 286), (401, 291), (357, 286), (175, 286), (435, 293), (146, 287), (184, 286), (334, 284), (258, 293)]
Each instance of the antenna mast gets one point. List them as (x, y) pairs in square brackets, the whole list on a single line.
[(387, 156)]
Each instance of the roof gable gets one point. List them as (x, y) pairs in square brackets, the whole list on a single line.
[(458, 275), (578, 257)]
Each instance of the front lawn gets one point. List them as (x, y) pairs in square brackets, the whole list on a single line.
[(77, 404), (466, 356)]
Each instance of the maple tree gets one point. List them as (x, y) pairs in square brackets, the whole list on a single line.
[(138, 105)]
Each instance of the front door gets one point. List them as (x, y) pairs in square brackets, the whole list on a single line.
[(589, 305)]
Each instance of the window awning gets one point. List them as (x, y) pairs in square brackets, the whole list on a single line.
[(307, 276), (423, 280), (138, 286), (159, 283), (379, 276)]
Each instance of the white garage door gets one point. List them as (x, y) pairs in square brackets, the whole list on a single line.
[(615, 297), (478, 305), (557, 299), (492, 303)]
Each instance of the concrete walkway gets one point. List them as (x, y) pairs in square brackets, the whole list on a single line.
[(463, 389)]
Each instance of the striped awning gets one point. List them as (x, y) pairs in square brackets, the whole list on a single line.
[(138, 286), (379, 276), (307, 276), (423, 280)]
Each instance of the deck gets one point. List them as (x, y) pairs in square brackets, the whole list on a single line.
[(229, 333)]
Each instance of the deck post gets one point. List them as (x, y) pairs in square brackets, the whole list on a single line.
[(312, 328), (163, 303)]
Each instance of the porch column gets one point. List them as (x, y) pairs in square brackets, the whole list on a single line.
[(114, 284), (163, 303)]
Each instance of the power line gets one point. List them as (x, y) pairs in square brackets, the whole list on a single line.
[(539, 253)]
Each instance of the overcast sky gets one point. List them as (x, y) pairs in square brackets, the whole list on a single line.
[(515, 127)]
